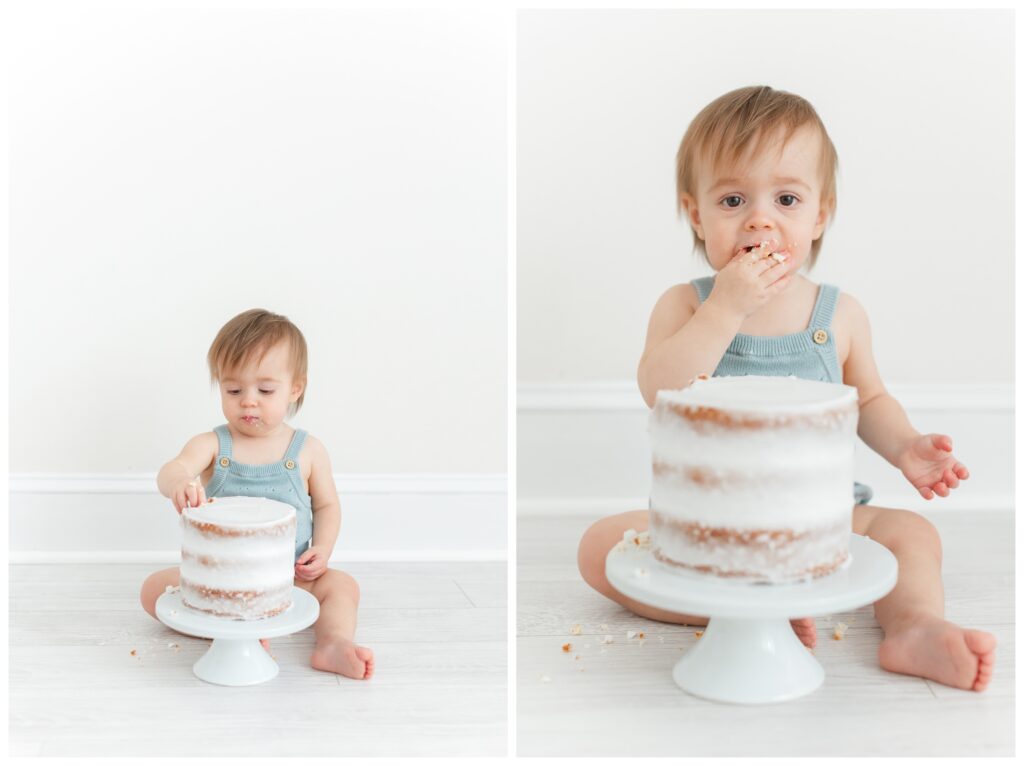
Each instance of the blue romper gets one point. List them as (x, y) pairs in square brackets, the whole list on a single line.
[(277, 481), (808, 354)]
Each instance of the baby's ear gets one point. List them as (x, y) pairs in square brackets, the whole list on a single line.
[(825, 211), (688, 205), (297, 388)]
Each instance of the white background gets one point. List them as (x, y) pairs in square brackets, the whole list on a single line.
[(173, 168), (918, 103), (920, 107), (346, 168)]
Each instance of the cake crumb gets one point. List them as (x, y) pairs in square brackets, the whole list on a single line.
[(841, 627), (575, 656), (576, 629), (630, 634), (134, 653), (641, 635), (567, 648), (698, 634), (607, 640), (639, 572), (604, 627)]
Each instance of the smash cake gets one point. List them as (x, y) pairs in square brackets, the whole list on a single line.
[(237, 557), (752, 477)]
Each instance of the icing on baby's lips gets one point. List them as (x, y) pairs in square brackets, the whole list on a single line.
[(766, 248)]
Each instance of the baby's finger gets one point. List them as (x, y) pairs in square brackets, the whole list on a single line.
[(926, 493), (950, 478), (941, 489), (961, 471)]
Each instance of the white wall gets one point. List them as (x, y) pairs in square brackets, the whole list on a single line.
[(920, 107), (346, 168)]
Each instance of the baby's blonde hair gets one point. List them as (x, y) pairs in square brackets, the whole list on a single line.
[(726, 128), (249, 336)]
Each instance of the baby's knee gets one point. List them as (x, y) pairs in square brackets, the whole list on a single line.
[(896, 528), (336, 580), (600, 538), (154, 586)]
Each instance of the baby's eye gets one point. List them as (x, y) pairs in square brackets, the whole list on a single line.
[(232, 390), (788, 200), (733, 200), (265, 392)]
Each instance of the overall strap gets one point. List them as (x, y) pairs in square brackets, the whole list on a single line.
[(221, 462), (824, 307), (703, 286), (226, 445), (298, 439)]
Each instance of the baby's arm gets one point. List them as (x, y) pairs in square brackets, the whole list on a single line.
[(177, 479), (326, 513), (926, 460), (686, 338)]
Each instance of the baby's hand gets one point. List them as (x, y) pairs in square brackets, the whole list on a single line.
[(311, 564), (190, 491), (929, 465), (751, 278)]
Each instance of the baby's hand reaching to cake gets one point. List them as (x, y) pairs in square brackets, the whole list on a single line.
[(188, 493), (929, 465), (311, 564)]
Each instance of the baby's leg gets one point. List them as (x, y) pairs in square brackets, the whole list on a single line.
[(918, 640), (154, 587), (336, 652), (603, 536)]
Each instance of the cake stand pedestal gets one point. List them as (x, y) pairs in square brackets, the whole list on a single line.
[(236, 657), (749, 653)]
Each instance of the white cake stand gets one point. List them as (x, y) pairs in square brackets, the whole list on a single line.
[(236, 657), (749, 653)]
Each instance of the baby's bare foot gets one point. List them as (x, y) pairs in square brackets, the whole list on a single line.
[(806, 631), (934, 648), (344, 657)]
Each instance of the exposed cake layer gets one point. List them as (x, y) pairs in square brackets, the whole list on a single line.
[(753, 476), (237, 557), (752, 555)]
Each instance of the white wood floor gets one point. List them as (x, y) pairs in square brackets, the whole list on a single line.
[(620, 699), (438, 632)]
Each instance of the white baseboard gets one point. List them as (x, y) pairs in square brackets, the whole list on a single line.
[(83, 518), (583, 448), (605, 506)]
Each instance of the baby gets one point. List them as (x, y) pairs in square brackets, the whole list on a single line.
[(756, 178), (259, 361)]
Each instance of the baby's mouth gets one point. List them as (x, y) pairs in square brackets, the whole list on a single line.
[(766, 247)]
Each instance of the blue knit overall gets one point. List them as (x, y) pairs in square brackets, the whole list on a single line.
[(276, 481), (808, 354)]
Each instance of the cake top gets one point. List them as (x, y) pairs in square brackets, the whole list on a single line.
[(247, 512), (761, 394)]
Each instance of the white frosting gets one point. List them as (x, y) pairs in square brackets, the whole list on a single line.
[(251, 550), (755, 454), (759, 394)]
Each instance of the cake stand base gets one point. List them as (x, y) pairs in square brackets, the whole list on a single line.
[(236, 657), (749, 653)]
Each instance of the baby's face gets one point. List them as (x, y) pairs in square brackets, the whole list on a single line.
[(255, 398), (771, 196)]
